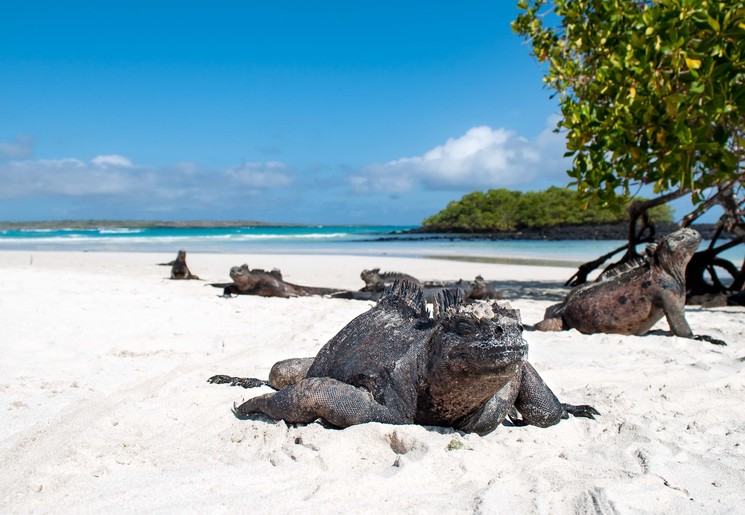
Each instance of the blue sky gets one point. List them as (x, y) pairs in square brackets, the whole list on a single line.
[(311, 112)]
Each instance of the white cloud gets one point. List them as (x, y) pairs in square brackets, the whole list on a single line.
[(21, 149), (69, 177), (117, 176), (111, 160), (482, 157), (261, 175)]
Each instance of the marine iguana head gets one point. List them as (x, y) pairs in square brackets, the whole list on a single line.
[(371, 276), (475, 350), (483, 335), (241, 276), (674, 251), (181, 257)]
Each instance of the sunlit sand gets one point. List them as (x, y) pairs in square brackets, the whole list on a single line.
[(105, 407)]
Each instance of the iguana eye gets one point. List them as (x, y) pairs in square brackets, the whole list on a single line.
[(465, 328)]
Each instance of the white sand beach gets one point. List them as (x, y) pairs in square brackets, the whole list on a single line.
[(105, 407)]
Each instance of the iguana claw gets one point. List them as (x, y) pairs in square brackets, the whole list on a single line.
[(582, 410)]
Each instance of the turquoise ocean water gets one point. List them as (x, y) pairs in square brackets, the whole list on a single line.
[(358, 240)]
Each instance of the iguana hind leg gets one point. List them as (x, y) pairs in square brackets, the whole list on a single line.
[(284, 373), (289, 371), (338, 403)]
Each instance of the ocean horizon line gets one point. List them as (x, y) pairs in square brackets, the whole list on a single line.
[(94, 223)]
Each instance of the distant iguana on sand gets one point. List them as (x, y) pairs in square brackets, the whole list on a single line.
[(480, 289), (179, 270), (465, 367), (267, 284), (376, 282), (633, 297)]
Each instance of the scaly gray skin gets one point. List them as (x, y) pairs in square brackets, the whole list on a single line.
[(464, 368), (634, 298), (179, 270), (268, 284), (376, 282)]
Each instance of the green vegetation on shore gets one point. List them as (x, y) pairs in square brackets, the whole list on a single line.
[(501, 210)]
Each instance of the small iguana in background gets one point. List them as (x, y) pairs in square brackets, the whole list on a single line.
[(633, 297), (179, 269), (464, 367), (480, 289)]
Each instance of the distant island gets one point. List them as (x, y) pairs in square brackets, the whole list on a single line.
[(508, 211), (552, 214), (587, 231)]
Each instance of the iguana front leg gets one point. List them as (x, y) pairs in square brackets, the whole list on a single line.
[(539, 406), (674, 309), (338, 403), (494, 411), (675, 314)]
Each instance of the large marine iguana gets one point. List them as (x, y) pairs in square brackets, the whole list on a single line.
[(179, 269), (465, 367), (267, 284), (632, 298)]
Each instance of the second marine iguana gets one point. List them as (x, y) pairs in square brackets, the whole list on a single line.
[(464, 367), (267, 284), (633, 297)]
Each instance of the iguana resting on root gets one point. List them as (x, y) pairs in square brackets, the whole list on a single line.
[(464, 368), (632, 298)]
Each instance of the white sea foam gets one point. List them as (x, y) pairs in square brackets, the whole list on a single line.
[(122, 230)]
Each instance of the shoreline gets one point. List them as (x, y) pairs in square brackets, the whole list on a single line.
[(214, 266), (562, 232), (493, 260), (523, 261), (407, 232)]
